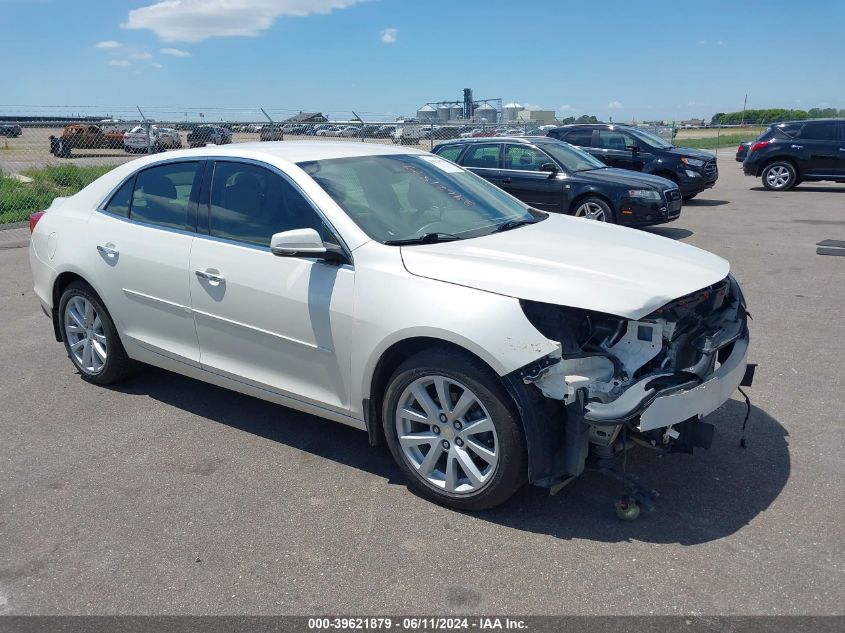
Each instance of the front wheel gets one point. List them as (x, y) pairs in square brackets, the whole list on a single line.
[(594, 209), (90, 337), (453, 430), (779, 176)]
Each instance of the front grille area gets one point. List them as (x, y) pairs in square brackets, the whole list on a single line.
[(672, 195), (710, 169)]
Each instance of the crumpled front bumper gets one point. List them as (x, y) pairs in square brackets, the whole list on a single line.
[(657, 408)]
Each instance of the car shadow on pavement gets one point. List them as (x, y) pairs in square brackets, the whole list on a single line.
[(703, 497), (705, 202), (671, 232), (805, 188)]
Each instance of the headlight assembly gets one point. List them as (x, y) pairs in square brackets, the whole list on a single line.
[(648, 194), (692, 162)]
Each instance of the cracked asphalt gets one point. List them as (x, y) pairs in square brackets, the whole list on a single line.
[(165, 495)]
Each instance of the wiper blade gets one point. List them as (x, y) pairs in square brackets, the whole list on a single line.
[(513, 224), (428, 238)]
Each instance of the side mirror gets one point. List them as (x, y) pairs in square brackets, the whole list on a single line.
[(634, 149), (305, 243), (549, 167)]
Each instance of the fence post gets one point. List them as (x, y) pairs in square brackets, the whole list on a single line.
[(147, 127)]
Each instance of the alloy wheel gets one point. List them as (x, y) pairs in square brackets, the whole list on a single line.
[(446, 435), (778, 176), (85, 335), (591, 211)]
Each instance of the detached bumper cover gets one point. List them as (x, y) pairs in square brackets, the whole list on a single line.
[(657, 408)]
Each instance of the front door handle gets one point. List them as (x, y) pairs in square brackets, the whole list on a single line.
[(507, 181), (107, 249), (212, 277)]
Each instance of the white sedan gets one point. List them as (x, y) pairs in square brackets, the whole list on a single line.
[(487, 343)]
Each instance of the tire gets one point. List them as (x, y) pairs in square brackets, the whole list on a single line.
[(779, 176), (477, 482), (78, 325), (594, 208)]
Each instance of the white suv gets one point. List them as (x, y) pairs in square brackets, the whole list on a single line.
[(490, 344)]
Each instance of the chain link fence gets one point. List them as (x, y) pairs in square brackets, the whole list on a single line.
[(45, 152)]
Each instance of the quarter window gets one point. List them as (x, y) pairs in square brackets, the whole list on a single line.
[(485, 156), (524, 158), (582, 138), (119, 203), (162, 194), (250, 203), (450, 152)]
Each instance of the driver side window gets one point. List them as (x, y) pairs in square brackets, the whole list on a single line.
[(250, 203), (611, 139), (524, 158)]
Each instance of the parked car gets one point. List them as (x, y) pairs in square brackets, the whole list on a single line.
[(204, 134), (551, 175), (329, 130), (626, 147), (84, 136), (11, 130), (272, 133), (313, 129), (487, 343), (352, 131), (787, 154), (742, 150), (161, 138)]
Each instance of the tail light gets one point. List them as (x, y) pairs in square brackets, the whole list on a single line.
[(739, 147), (33, 219), (759, 145)]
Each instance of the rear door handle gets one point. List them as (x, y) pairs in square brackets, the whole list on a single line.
[(213, 278), (107, 249)]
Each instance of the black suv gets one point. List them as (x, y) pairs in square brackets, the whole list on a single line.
[(631, 148), (788, 153), (553, 176)]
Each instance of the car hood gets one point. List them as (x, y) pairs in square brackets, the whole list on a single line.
[(573, 262), (624, 177), (691, 152)]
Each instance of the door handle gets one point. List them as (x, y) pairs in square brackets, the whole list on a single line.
[(506, 180), (215, 279), (107, 249)]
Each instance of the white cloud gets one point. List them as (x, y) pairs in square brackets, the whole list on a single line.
[(107, 44), (565, 108), (388, 36), (174, 52), (196, 20), (156, 65), (614, 105), (719, 42), (141, 56), (702, 42), (119, 62), (692, 104)]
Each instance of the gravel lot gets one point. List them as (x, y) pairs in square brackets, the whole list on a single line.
[(168, 496)]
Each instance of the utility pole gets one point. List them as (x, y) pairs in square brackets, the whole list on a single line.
[(744, 103)]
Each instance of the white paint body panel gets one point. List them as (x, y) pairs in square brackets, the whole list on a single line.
[(309, 335), (567, 261)]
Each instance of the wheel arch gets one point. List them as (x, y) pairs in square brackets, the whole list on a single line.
[(780, 159), (590, 194), (62, 281)]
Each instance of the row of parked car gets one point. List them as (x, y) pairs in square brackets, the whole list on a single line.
[(137, 140)]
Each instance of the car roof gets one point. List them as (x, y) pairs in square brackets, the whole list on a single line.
[(295, 151), (809, 120), (500, 139)]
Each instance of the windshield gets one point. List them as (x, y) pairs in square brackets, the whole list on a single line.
[(572, 158), (649, 139), (408, 196)]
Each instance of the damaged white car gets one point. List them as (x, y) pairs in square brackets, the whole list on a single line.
[(488, 343)]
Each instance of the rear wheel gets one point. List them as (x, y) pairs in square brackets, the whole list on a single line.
[(779, 176), (90, 337), (594, 209), (453, 431)]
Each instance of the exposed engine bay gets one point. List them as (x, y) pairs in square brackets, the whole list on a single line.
[(654, 377)]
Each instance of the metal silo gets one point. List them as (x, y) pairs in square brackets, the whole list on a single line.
[(488, 113), (426, 113), (456, 111), (443, 113), (511, 111)]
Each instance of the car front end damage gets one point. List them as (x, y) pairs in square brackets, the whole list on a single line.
[(619, 382)]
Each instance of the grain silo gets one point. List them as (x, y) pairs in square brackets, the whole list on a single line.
[(511, 111), (485, 113), (426, 113), (443, 113), (456, 111)]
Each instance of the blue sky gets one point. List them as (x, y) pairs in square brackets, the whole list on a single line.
[(669, 60)]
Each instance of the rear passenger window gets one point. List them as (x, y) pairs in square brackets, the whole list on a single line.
[(486, 156), (119, 203), (450, 152), (819, 130), (610, 139), (162, 194), (249, 204), (582, 138)]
